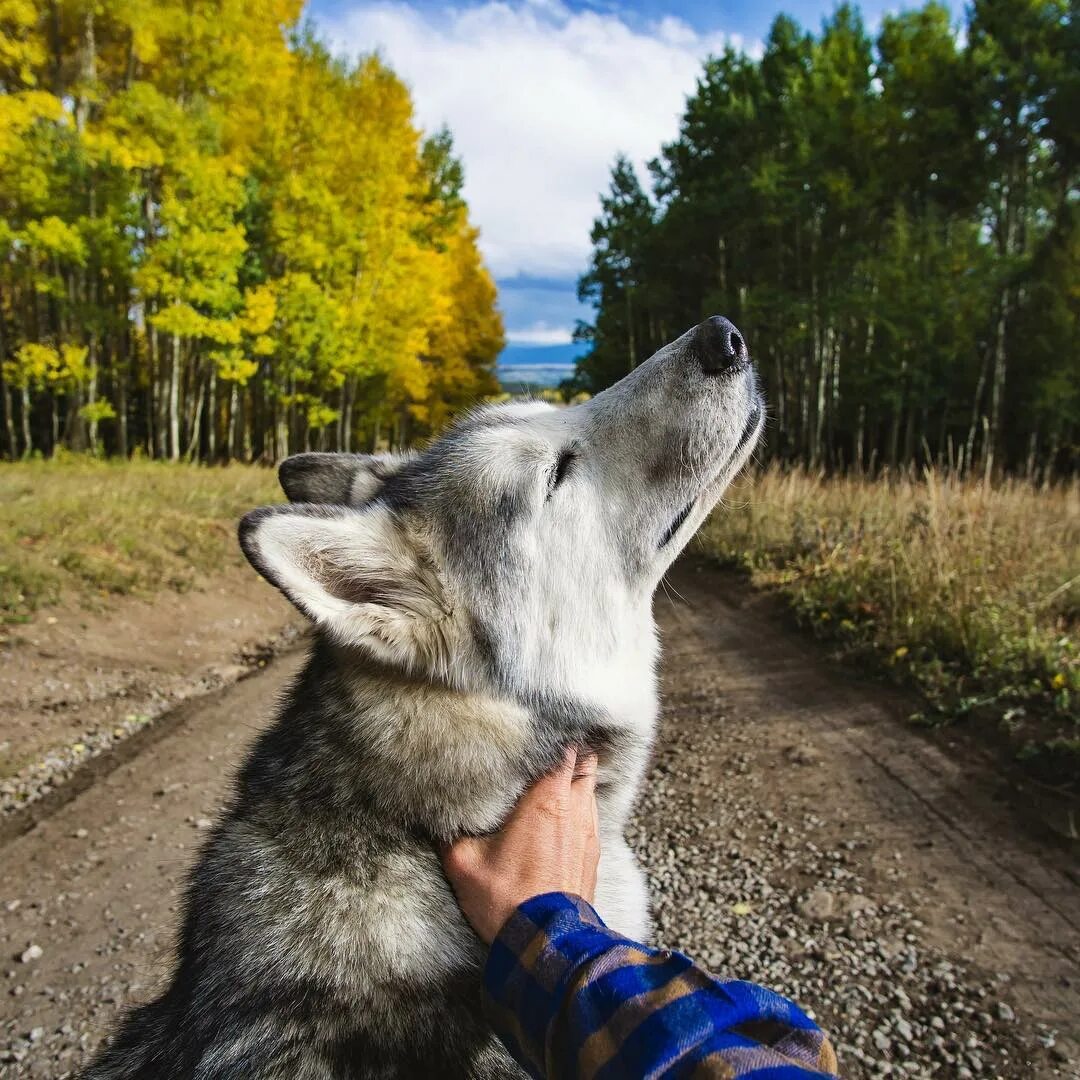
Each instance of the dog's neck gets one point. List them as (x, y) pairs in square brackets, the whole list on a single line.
[(423, 755)]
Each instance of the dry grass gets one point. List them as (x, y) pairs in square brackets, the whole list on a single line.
[(80, 530), (972, 594)]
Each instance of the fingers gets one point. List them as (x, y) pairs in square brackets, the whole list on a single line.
[(583, 785), (585, 766), (550, 794), (591, 851), (583, 796), (558, 781), (569, 787)]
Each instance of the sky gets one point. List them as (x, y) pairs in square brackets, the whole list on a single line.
[(540, 96)]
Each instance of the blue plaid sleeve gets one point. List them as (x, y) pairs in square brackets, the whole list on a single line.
[(571, 998)]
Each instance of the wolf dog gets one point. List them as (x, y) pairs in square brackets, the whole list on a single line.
[(479, 608)]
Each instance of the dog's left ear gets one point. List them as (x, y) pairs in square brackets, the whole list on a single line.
[(337, 479), (354, 572)]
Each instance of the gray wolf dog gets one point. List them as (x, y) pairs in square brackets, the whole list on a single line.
[(479, 608)]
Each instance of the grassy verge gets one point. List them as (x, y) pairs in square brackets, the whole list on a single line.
[(81, 530), (971, 595)]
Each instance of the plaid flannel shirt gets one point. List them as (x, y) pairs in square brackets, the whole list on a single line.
[(571, 998)]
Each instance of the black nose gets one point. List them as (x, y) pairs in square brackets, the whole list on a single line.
[(721, 346)]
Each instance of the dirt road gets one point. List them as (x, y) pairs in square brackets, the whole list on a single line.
[(75, 683), (795, 830)]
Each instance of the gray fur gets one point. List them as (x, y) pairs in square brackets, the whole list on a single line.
[(479, 607), (341, 479)]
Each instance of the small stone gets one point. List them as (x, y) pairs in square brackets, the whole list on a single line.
[(203, 823), (818, 905), (36, 1034), (803, 754), (1005, 1012), (34, 952), (80, 834)]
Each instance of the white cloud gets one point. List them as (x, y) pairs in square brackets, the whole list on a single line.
[(539, 333), (539, 100)]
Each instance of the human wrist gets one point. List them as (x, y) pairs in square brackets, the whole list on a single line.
[(546, 939)]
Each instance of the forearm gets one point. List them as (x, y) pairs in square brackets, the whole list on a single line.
[(569, 998)]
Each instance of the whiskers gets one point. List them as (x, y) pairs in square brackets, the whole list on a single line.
[(669, 589)]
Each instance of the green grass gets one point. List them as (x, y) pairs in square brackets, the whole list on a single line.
[(971, 595), (81, 530)]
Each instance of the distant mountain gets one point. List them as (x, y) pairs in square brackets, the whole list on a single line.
[(543, 365)]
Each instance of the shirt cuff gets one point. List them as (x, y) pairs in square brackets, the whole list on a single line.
[(531, 961)]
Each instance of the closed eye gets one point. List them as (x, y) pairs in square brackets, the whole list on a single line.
[(677, 524), (562, 468)]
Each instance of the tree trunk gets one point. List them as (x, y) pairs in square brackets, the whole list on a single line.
[(9, 423), (9, 405), (973, 427), (122, 373), (196, 423), (909, 435), (174, 401), (153, 404), (91, 390), (281, 442), (780, 399), (211, 415), (251, 412), (820, 402), (894, 437), (347, 415), (231, 440), (28, 439), (263, 417), (997, 387)]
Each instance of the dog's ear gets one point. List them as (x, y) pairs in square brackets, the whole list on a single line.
[(355, 572), (337, 479)]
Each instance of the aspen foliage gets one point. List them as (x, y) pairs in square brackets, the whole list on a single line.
[(218, 241)]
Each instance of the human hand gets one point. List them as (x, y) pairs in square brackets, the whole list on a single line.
[(549, 843)]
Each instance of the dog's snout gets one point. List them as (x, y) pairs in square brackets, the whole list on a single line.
[(721, 345)]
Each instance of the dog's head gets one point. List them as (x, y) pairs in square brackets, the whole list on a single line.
[(522, 547)]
